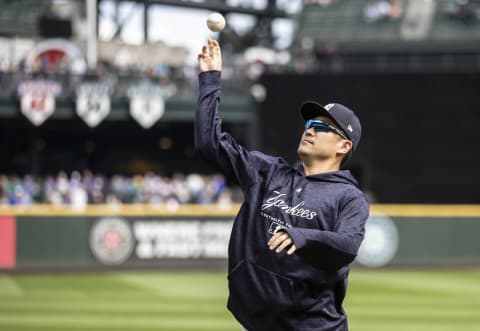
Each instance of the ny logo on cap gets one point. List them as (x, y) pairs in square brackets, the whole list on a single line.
[(349, 128), (330, 105)]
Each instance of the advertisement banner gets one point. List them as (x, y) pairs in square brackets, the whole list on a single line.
[(116, 241)]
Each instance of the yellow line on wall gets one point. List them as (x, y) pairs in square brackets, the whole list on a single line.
[(417, 210), (399, 210), (121, 210)]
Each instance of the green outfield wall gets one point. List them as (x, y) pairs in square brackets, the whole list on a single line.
[(43, 237)]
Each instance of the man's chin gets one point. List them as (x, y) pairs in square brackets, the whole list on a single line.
[(302, 152)]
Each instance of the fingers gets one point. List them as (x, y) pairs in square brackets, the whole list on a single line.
[(292, 249), (280, 241), (275, 240), (287, 242), (211, 45), (213, 48), (204, 53)]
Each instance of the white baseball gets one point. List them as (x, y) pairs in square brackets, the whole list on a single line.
[(216, 22)]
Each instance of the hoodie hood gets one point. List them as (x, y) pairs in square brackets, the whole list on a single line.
[(340, 176)]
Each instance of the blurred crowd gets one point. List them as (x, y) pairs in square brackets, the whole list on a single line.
[(80, 189), (321, 2), (179, 81), (466, 11), (381, 10)]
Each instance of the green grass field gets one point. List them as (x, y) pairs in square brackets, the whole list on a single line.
[(379, 300)]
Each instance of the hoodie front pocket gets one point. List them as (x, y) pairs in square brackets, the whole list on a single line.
[(258, 295)]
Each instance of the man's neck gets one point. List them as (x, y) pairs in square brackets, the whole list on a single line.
[(318, 167)]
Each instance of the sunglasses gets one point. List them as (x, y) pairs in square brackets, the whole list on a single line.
[(322, 126)]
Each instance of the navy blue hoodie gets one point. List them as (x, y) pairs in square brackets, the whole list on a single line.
[(325, 215)]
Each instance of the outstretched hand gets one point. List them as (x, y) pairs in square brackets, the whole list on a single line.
[(280, 241), (211, 57)]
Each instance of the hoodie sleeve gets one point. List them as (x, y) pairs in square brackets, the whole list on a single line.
[(339, 247), (219, 147)]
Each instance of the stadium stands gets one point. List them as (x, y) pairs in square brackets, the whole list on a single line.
[(80, 189), (386, 36), (351, 21)]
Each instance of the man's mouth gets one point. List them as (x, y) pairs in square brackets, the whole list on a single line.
[(306, 141)]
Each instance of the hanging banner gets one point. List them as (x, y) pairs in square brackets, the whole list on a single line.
[(147, 102), (93, 102), (37, 99)]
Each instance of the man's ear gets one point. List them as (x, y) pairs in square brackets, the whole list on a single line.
[(346, 146)]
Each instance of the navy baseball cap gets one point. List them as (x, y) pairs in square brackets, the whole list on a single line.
[(344, 117)]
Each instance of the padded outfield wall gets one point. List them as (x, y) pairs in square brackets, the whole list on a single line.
[(53, 238)]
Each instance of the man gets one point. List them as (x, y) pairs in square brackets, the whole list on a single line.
[(298, 228)]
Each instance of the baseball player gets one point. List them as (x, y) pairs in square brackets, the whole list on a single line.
[(299, 228)]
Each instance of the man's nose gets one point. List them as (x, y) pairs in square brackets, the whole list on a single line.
[(310, 132)]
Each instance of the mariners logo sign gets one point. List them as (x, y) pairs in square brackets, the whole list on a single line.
[(380, 244), (37, 99), (93, 102), (111, 240)]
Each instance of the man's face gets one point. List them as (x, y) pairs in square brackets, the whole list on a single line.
[(319, 144)]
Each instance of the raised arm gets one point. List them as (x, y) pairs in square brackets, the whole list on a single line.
[(214, 144)]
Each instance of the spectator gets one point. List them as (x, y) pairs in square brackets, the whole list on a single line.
[(78, 196)]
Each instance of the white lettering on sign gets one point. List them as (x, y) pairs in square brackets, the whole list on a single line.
[(182, 239)]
